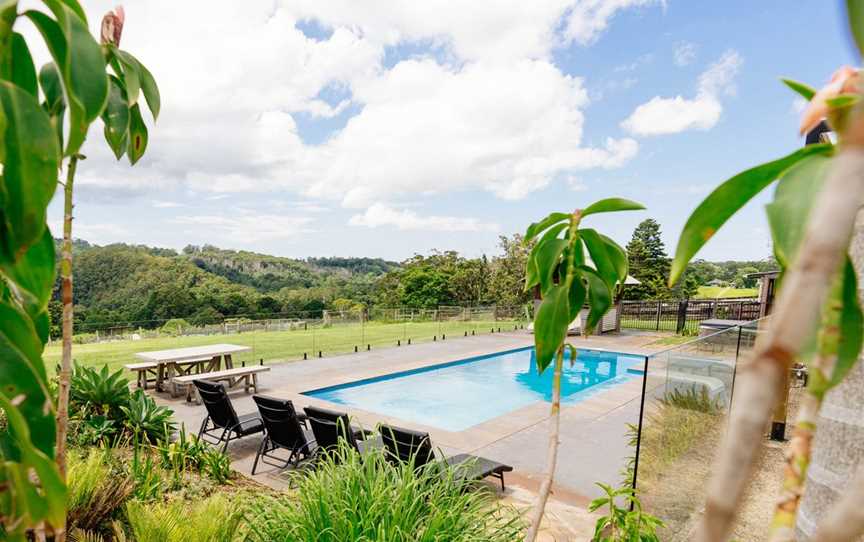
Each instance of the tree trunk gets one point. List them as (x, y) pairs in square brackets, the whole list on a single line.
[(551, 453), (838, 447), (66, 293)]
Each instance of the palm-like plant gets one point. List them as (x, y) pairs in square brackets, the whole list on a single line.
[(98, 391), (567, 279), (142, 416)]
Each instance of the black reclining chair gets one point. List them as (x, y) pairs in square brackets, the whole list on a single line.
[(405, 445), (221, 413), (283, 430)]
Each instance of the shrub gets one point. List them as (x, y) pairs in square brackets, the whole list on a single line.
[(211, 520), (623, 524), (99, 392), (95, 490), (349, 498), (175, 326), (691, 399), (191, 453), (143, 417)]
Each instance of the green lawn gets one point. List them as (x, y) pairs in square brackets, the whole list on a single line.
[(281, 345), (719, 292)]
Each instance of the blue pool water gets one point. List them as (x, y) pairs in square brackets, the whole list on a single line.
[(457, 395)]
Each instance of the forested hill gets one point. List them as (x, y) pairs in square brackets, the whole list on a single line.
[(272, 273), (134, 283)]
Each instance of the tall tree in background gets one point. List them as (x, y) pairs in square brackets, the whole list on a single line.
[(649, 263), (507, 282)]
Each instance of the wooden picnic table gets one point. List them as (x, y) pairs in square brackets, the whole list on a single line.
[(169, 361)]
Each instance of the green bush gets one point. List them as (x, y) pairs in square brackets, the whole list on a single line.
[(175, 326), (143, 417), (101, 392), (349, 498), (96, 491), (190, 453), (626, 523), (211, 520), (691, 399)]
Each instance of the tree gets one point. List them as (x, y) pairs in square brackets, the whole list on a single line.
[(649, 263), (507, 279), (558, 266)]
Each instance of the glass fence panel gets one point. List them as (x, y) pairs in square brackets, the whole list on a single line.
[(689, 390)]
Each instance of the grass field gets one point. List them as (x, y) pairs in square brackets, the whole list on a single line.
[(720, 292), (280, 345)]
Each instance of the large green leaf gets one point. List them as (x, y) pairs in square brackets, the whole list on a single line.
[(618, 257), (547, 259), (537, 227), (788, 213), (578, 293), (532, 272), (29, 171), (22, 374), (726, 200), (23, 70), (851, 326), (611, 205), (600, 256), (33, 274), (550, 325), (55, 103), (146, 82), (599, 299), (116, 119), (30, 503), (131, 76), (80, 60), (806, 91), (855, 16), (137, 142)]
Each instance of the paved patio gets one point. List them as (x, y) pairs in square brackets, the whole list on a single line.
[(593, 443)]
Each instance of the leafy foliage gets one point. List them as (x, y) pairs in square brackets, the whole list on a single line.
[(143, 417), (211, 520), (95, 392), (352, 498), (96, 491), (566, 278), (623, 524)]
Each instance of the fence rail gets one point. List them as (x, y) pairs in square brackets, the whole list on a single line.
[(685, 316)]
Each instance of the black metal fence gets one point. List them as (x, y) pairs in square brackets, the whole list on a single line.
[(684, 316)]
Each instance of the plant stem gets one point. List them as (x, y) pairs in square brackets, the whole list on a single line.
[(799, 448), (555, 416), (797, 312), (66, 293)]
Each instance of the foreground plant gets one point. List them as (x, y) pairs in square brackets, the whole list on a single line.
[(819, 191), (349, 497), (623, 523), (567, 279)]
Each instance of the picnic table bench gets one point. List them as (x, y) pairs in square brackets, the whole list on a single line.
[(247, 375), (181, 361), (144, 370)]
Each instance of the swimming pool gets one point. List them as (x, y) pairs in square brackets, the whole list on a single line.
[(457, 395)]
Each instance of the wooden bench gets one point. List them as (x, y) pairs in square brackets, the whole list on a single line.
[(144, 368), (247, 375)]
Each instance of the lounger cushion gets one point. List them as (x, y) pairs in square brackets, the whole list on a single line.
[(249, 424), (471, 467)]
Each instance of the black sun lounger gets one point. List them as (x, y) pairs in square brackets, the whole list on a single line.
[(223, 417), (405, 444), (283, 429)]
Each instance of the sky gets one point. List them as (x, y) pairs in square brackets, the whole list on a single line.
[(385, 128)]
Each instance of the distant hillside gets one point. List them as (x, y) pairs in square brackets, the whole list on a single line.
[(132, 283), (272, 273)]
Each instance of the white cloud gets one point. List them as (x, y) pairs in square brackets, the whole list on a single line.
[(248, 227), (167, 204), (590, 18), (379, 214), (673, 115), (485, 109), (684, 54)]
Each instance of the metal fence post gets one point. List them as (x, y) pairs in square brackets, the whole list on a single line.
[(659, 311), (639, 429)]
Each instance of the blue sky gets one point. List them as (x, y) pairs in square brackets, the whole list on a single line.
[(389, 128)]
